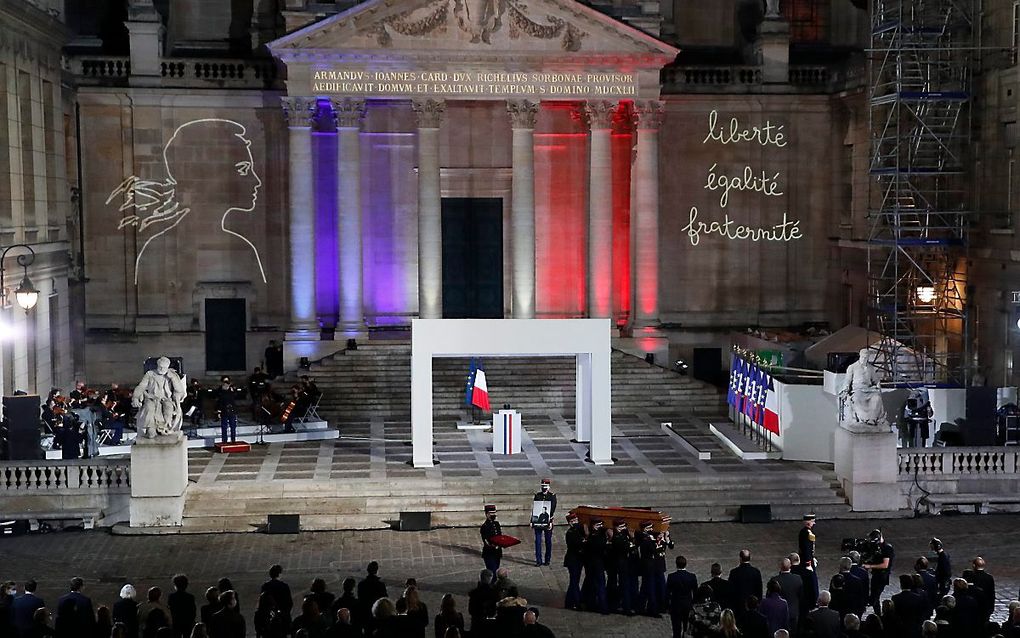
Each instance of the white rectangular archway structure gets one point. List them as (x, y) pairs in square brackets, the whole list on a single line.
[(588, 340)]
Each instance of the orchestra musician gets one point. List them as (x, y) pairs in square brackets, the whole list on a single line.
[(192, 405), (116, 408), (226, 406)]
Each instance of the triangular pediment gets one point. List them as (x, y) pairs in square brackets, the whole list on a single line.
[(463, 28)]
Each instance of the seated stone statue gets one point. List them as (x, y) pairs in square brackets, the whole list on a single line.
[(158, 397), (861, 395)]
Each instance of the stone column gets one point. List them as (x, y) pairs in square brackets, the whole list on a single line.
[(429, 114), (349, 115), (299, 112), (600, 208), (644, 247), (522, 215)]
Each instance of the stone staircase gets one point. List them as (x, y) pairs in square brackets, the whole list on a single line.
[(371, 504), (375, 381)]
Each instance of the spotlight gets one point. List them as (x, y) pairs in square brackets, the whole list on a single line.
[(680, 366), (926, 294)]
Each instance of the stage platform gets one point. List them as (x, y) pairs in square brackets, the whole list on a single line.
[(364, 479)]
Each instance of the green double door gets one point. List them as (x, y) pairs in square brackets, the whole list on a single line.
[(472, 258)]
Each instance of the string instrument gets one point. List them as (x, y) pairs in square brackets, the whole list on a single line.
[(59, 407), (287, 410)]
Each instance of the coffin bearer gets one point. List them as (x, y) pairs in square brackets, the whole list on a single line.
[(491, 553), (543, 510), (806, 545), (574, 561)]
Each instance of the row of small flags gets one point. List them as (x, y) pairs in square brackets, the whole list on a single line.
[(752, 392), (477, 392)]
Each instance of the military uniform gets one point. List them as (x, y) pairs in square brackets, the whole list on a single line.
[(624, 590), (543, 528), (806, 548), (594, 589), (491, 554), (574, 562)]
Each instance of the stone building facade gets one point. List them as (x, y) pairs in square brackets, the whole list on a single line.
[(37, 207)]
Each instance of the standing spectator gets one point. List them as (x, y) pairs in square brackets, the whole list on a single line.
[(267, 620), (745, 580), (705, 614), (448, 616), (311, 620), (928, 583), (481, 600), (75, 615), (855, 589), (680, 588), (910, 608), (349, 601), (720, 588), (125, 610), (943, 567), (325, 599), (852, 626), (968, 615), (223, 585), (211, 606), (728, 624), (371, 588), (24, 606), (753, 624), (228, 621), (384, 619), (775, 608), (104, 622), (153, 614), (417, 612), (792, 588), (809, 584), (41, 625), (182, 607), (823, 622), (280, 591), (984, 580)]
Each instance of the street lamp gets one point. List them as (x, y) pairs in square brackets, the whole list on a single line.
[(25, 294)]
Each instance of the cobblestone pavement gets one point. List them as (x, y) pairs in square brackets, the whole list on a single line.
[(448, 560)]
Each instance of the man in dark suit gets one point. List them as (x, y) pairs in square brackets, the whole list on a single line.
[(680, 588), (943, 568), (793, 587), (930, 587), (280, 591), (181, 604), (909, 607), (986, 583), (745, 580), (24, 607), (823, 622), (721, 588), (370, 589), (968, 614), (75, 614)]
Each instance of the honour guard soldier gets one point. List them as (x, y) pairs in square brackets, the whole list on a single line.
[(624, 590), (806, 544), (595, 568), (542, 522), (574, 561), (491, 553)]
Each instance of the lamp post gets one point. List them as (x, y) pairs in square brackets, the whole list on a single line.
[(26, 294)]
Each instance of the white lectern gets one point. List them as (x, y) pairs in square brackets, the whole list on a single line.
[(506, 432)]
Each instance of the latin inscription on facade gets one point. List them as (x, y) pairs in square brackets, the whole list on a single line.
[(470, 84)]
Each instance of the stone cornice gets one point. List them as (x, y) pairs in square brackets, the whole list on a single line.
[(501, 59), (31, 34)]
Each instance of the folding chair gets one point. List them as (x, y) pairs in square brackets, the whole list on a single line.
[(312, 413)]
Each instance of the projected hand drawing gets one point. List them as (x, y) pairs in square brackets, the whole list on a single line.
[(157, 207)]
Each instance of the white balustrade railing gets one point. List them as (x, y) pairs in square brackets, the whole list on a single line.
[(178, 72), (958, 461), (17, 477)]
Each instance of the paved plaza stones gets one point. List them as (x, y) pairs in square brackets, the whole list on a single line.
[(448, 560)]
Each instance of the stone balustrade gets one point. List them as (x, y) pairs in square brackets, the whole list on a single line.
[(749, 79), (177, 72), (957, 462), (52, 477)]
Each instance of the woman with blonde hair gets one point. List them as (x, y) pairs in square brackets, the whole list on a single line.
[(728, 624)]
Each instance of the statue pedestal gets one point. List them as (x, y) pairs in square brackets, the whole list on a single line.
[(159, 478), (772, 50), (865, 460)]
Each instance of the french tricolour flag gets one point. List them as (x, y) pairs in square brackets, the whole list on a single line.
[(770, 418), (480, 391)]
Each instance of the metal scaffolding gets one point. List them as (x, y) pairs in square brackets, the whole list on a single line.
[(920, 97)]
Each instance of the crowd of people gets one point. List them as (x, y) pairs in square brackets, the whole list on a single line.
[(363, 608)]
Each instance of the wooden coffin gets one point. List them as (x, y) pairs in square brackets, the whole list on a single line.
[(634, 516)]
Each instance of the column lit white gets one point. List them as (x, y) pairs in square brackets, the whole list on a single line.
[(600, 209), (300, 112), (644, 248), (349, 116), (429, 114), (522, 214)]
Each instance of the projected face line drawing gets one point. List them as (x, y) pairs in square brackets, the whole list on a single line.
[(156, 203)]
